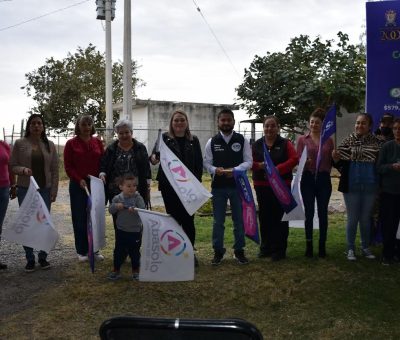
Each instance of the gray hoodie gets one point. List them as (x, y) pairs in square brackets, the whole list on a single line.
[(126, 220)]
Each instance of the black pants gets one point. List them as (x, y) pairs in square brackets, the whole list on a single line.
[(174, 207), (390, 217), (127, 243), (316, 188), (274, 233)]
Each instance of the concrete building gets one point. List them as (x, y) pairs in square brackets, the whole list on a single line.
[(150, 115)]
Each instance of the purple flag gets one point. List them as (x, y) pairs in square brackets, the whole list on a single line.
[(279, 187), (248, 207), (327, 130), (90, 234)]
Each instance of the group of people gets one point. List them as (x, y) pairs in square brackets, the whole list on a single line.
[(368, 167)]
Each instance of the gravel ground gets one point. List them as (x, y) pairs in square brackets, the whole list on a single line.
[(18, 289)]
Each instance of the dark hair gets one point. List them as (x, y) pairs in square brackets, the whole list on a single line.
[(368, 116), (127, 177), (318, 113), (43, 136), (226, 111), (84, 118), (387, 118), (396, 120), (275, 118), (188, 135)]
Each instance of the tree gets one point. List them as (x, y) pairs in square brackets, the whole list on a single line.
[(64, 89), (308, 75)]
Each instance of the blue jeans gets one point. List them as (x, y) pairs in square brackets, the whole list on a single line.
[(359, 204), (45, 193), (316, 188), (219, 202), (4, 198), (78, 200)]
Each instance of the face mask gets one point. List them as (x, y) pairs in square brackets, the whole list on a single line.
[(386, 131)]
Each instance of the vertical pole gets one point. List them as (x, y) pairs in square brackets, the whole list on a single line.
[(109, 95), (127, 71)]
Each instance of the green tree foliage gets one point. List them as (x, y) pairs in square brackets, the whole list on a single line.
[(308, 75), (64, 89)]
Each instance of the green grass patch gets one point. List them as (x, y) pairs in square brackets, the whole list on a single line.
[(296, 298)]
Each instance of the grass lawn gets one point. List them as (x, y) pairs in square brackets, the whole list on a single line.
[(296, 298)]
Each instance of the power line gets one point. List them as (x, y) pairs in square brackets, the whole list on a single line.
[(43, 15), (216, 38)]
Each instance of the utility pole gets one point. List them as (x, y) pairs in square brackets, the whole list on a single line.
[(106, 11), (127, 71)]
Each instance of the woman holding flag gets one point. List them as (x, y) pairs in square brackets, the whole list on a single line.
[(316, 180), (355, 159), (34, 155), (187, 148), (82, 156), (274, 232)]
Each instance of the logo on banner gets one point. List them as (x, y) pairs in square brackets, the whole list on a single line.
[(172, 243), (391, 31), (390, 16), (395, 92), (328, 126), (177, 171)]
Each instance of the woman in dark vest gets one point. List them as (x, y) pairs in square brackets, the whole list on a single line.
[(187, 148), (274, 232)]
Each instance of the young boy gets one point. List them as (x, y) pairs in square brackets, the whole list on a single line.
[(128, 234)]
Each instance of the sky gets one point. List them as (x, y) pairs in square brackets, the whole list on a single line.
[(179, 57)]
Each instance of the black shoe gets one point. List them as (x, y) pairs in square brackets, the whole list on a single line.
[(309, 249), (196, 261), (387, 261), (217, 258), (263, 253), (3, 266), (277, 257), (239, 256), (44, 264), (322, 250), (30, 267)]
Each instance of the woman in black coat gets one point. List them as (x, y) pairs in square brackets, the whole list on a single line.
[(187, 148)]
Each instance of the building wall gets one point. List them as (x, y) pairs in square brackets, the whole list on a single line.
[(202, 118)]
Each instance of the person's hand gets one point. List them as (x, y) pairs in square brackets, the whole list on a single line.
[(103, 178), (219, 171), (308, 161), (131, 209), (83, 184), (53, 197), (119, 206), (260, 165), (336, 155), (26, 172), (154, 159), (228, 173), (396, 166), (13, 192)]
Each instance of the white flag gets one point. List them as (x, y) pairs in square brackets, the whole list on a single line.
[(167, 253), (188, 188), (32, 226), (298, 212), (98, 213)]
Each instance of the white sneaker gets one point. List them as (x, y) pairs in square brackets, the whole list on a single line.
[(350, 255), (82, 258), (368, 254), (98, 256)]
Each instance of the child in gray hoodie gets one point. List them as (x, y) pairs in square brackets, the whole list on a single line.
[(128, 234)]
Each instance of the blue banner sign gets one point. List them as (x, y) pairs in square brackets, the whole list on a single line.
[(383, 59)]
